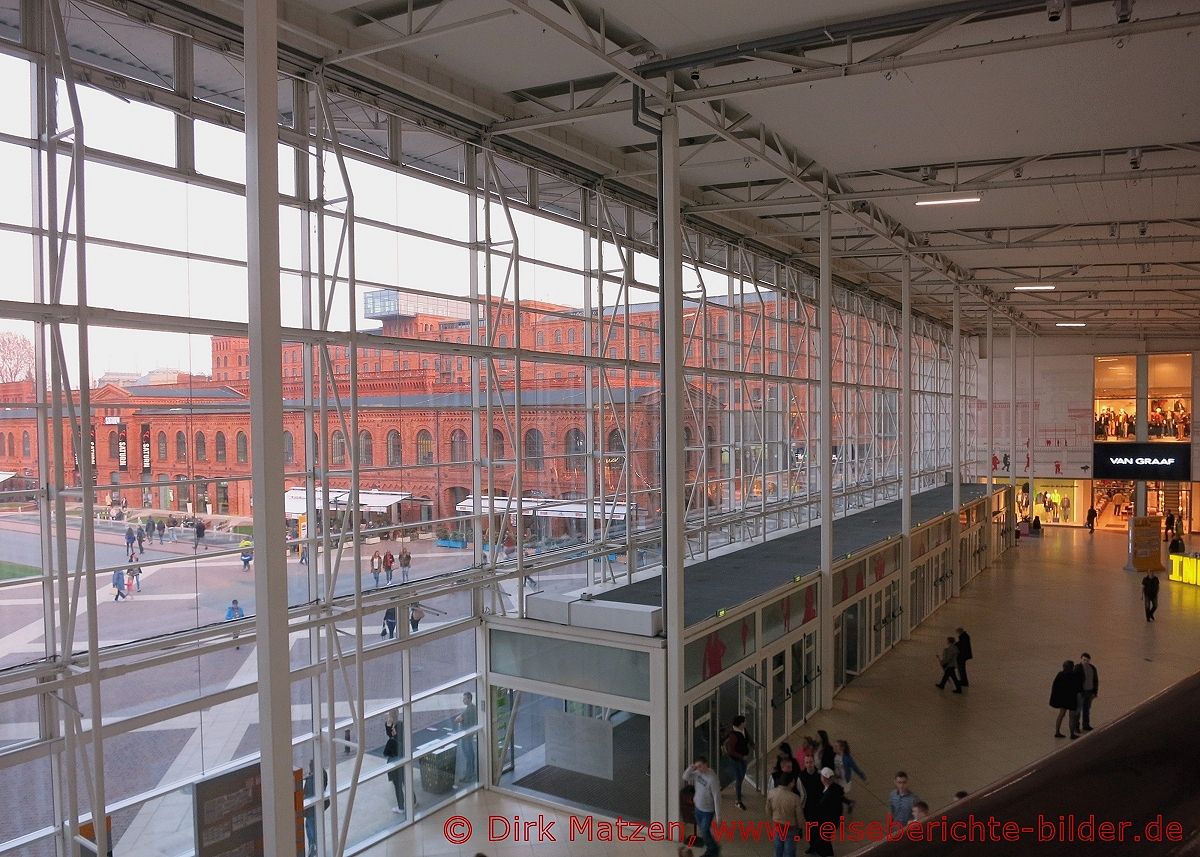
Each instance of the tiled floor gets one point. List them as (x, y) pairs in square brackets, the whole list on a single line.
[(1045, 601)]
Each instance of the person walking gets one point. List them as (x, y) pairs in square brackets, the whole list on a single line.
[(1169, 529), (829, 810), (141, 539), (304, 554), (737, 746), (199, 536), (1089, 681), (234, 612), (707, 801), (133, 574), (948, 660), (392, 751), (1177, 544), (389, 623), (845, 767), (810, 786), (310, 812), (405, 562), (964, 654), (162, 530), (130, 540), (785, 808), (466, 719), (118, 584), (376, 566), (901, 800), (825, 751), (415, 615), (1064, 695), (247, 547), (1091, 519), (1150, 595)]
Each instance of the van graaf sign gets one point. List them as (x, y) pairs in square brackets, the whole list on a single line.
[(1165, 462)]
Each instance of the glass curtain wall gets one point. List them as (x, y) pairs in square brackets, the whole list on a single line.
[(471, 379)]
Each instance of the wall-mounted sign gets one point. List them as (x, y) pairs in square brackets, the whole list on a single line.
[(123, 448), (145, 448), (1166, 462)]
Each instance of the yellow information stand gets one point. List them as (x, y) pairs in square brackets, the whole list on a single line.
[(1145, 548)]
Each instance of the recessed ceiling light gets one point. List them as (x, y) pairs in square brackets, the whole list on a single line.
[(1070, 324), (1037, 288), (947, 199)]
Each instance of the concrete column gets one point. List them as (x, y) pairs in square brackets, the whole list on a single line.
[(1142, 425), (989, 535), (674, 499), (1012, 426), (266, 426), (956, 463), (1032, 426), (905, 410), (825, 322)]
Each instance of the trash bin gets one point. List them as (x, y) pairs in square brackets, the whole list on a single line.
[(438, 769)]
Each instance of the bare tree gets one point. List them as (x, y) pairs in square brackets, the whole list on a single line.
[(16, 357)]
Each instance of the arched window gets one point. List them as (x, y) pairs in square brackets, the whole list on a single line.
[(558, 337), (460, 448), (570, 336), (113, 451), (162, 446), (200, 450), (424, 447), (243, 452), (503, 341), (535, 450), (687, 447), (366, 449), (12, 446), (337, 447), (180, 446), (289, 448), (540, 339), (25, 444), (575, 444), (615, 443), (642, 354), (497, 444), (395, 452), (219, 445)]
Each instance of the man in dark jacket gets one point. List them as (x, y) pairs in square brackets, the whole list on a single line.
[(1089, 689), (1150, 595), (1091, 519), (810, 784), (828, 810), (1064, 695), (964, 654)]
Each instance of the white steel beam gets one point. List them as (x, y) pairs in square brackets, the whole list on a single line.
[(906, 411), (266, 426), (825, 433), (956, 445)]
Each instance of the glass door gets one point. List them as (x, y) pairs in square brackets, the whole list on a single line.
[(779, 697), (751, 697), (703, 725), (878, 622)]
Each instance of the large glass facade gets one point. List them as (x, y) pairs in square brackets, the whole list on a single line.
[(472, 387)]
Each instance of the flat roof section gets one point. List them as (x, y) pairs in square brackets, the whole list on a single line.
[(741, 576)]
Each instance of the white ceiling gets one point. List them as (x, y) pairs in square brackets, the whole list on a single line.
[(1060, 105)]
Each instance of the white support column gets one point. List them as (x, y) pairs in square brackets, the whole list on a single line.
[(266, 426), (905, 410), (1032, 426), (1013, 442), (674, 392), (825, 321), (989, 534), (956, 468), (1141, 424)]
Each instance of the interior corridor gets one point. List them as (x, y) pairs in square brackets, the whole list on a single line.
[(1047, 600)]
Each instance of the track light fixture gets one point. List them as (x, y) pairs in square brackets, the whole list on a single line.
[(1114, 229), (1145, 266), (1018, 172), (695, 75), (1054, 9), (1143, 228), (929, 173), (1135, 159), (1123, 10)]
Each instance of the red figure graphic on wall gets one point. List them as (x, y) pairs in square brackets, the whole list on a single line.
[(995, 462), (786, 607), (810, 604), (745, 636), (1058, 468), (714, 655)]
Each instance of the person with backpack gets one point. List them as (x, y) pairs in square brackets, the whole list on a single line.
[(118, 584), (247, 547), (141, 539), (389, 562), (737, 746), (130, 539)]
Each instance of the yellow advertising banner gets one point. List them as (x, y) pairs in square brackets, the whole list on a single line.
[(1145, 544)]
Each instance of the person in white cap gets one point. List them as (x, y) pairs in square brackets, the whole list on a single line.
[(829, 809)]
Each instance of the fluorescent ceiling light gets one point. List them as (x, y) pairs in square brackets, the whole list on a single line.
[(948, 199), (1041, 288), (1070, 324)]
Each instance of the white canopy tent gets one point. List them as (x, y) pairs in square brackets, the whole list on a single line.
[(544, 507)]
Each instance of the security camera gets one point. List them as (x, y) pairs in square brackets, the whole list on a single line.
[(1135, 159), (1143, 228), (1054, 9)]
